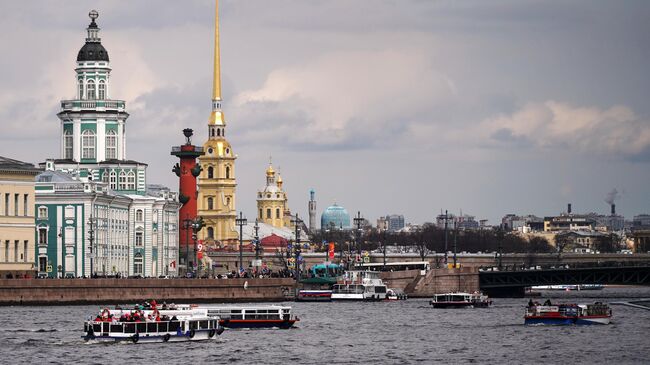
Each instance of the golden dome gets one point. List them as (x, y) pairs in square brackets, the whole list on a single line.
[(270, 171), (280, 179)]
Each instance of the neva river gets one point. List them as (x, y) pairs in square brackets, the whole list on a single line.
[(404, 332)]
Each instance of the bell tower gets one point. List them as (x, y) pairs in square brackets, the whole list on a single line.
[(217, 183)]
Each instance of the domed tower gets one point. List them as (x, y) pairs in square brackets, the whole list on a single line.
[(217, 184), (312, 211), (335, 216), (272, 202), (93, 125)]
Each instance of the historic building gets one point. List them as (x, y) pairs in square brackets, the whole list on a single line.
[(217, 183), (16, 217), (272, 202), (94, 215), (335, 217), (312, 211), (93, 124)]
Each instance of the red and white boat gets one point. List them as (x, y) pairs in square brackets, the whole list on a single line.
[(565, 314)]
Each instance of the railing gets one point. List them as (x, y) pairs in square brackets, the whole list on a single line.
[(179, 149), (92, 104)]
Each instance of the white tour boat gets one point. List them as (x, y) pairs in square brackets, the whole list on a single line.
[(460, 300), (359, 285)]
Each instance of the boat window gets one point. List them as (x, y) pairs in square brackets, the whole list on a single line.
[(141, 327), (97, 327), (236, 316), (105, 325), (116, 328), (203, 324), (193, 325), (174, 326), (129, 328), (380, 289), (163, 326), (152, 327)]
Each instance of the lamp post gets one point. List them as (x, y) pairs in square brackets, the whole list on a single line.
[(455, 234), (257, 240), (297, 221), (241, 222), (383, 236), (187, 224), (357, 222), (446, 224), (91, 238), (197, 224)]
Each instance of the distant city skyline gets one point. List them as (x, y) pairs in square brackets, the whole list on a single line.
[(407, 108)]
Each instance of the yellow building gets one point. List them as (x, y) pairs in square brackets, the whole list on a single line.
[(272, 202), (217, 184), (17, 232)]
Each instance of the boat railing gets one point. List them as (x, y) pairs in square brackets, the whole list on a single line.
[(172, 326)]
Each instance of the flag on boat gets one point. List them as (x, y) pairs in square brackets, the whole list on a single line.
[(172, 264)]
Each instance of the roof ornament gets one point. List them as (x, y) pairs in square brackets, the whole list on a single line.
[(93, 14)]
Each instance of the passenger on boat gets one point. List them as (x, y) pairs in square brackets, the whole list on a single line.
[(530, 303), (548, 302)]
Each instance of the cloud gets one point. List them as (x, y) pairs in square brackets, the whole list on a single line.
[(557, 125), (347, 99)]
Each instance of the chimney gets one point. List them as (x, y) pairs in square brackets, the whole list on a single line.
[(613, 209), (568, 209)]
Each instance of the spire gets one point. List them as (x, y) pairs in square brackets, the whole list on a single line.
[(216, 117)]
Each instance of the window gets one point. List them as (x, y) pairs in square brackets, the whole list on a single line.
[(139, 216), (122, 181), (130, 181), (16, 196), (42, 236), (227, 172), (137, 264), (212, 132), (6, 203), (88, 144), (7, 251), (277, 212), (210, 204), (111, 145), (42, 264), (90, 90), (210, 172), (228, 201), (268, 212), (81, 89), (113, 180), (101, 90), (25, 204), (16, 242), (25, 256), (67, 145), (138, 239), (210, 232), (219, 132), (261, 214), (42, 212)]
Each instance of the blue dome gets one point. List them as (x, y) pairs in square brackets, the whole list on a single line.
[(335, 215)]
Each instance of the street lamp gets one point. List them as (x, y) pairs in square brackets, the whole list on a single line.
[(257, 240), (446, 224), (357, 222), (455, 234), (297, 221), (241, 222), (91, 238), (195, 225)]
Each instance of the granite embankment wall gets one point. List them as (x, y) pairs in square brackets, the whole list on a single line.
[(435, 281), (115, 291)]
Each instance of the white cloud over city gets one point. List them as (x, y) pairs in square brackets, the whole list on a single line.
[(403, 107)]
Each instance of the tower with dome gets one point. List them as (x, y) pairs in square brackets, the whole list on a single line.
[(272, 201), (217, 183)]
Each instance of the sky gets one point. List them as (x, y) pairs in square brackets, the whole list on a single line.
[(384, 107)]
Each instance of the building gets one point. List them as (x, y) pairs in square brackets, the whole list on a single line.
[(335, 217), (83, 228), (93, 124), (272, 202), (513, 222), (16, 218), (391, 222), (641, 220), (94, 215), (312, 211), (217, 182)]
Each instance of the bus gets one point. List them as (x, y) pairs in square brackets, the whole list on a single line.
[(423, 266)]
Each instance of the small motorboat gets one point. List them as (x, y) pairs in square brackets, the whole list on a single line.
[(565, 314)]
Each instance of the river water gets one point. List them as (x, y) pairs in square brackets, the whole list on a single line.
[(401, 332)]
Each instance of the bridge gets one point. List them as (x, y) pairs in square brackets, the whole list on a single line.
[(513, 282)]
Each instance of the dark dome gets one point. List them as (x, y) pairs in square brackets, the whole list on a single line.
[(92, 51)]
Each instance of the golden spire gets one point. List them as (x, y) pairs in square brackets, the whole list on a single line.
[(216, 117)]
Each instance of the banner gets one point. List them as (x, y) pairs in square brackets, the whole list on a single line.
[(331, 251)]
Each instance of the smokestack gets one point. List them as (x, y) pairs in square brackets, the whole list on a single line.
[(568, 209), (613, 209)]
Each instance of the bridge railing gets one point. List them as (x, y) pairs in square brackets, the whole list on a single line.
[(564, 266)]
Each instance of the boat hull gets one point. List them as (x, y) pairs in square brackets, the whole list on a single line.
[(357, 297), (257, 323), (199, 335), (314, 296), (562, 321), (451, 304)]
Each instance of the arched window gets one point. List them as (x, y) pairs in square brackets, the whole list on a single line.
[(227, 172), (122, 181), (139, 215), (268, 212), (277, 212), (210, 172), (101, 90), (130, 181), (219, 132), (113, 180), (137, 264), (210, 204), (210, 232), (261, 214), (90, 94), (87, 144), (111, 144), (81, 89), (212, 132), (67, 145)]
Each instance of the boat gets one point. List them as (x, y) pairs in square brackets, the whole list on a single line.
[(267, 316), (569, 287), (395, 294), (359, 285), (142, 327), (309, 295), (460, 300), (566, 314)]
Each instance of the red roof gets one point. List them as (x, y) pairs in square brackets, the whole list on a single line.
[(273, 241)]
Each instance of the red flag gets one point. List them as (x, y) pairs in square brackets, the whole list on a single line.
[(331, 251)]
